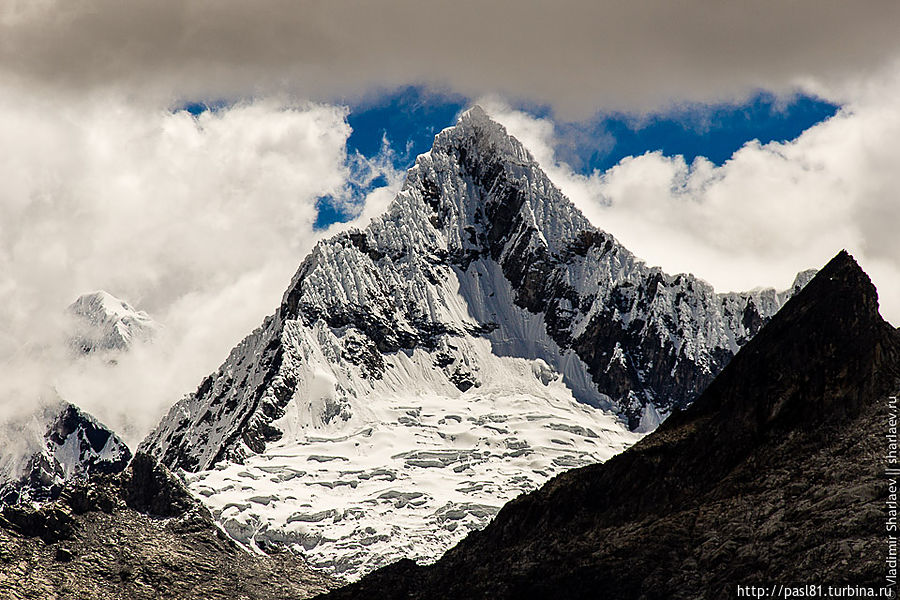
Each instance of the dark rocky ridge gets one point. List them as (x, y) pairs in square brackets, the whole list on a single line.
[(775, 475), (137, 534)]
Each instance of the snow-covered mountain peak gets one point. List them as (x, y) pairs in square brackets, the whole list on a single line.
[(493, 179), (479, 336), (106, 323), (102, 303), (475, 113), (479, 242)]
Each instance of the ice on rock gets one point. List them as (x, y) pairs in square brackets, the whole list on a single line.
[(650, 419), (407, 485)]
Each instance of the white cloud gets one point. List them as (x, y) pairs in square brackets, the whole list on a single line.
[(200, 221), (768, 212), (363, 173)]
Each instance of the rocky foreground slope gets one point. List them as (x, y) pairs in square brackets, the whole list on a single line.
[(135, 535), (775, 475)]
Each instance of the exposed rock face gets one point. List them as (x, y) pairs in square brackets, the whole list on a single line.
[(104, 323), (774, 475), (75, 446), (153, 490), (136, 535)]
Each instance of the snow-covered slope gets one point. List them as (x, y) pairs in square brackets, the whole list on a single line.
[(413, 471), (104, 323), (74, 445), (473, 340)]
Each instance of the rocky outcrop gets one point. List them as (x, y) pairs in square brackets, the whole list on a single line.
[(75, 446), (775, 475), (136, 535), (152, 489)]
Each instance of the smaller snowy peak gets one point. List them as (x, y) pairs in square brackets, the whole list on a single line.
[(75, 445), (104, 323)]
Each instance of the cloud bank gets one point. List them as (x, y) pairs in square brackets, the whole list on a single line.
[(576, 55), (201, 221)]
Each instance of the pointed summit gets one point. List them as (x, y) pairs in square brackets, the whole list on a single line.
[(476, 132), (475, 117), (475, 121), (481, 189), (843, 283), (830, 335), (475, 113)]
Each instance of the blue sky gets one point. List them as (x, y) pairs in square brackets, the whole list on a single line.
[(409, 118)]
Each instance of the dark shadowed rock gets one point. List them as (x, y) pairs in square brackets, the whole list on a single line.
[(154, 490)]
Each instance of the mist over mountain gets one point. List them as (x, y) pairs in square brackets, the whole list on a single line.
[(53, 441)]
